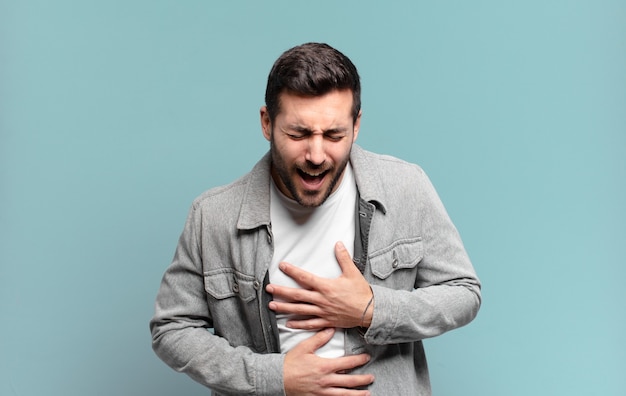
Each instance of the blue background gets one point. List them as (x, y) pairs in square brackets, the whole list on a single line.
[(116, 114)]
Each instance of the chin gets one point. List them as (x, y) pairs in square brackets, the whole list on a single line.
[(312, 199)]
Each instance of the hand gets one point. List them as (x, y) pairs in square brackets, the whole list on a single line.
[(338, 302), (305, 373)]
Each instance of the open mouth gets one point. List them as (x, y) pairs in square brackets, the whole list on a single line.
[(312, 180)]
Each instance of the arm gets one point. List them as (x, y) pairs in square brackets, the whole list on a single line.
[(181, 336), (447, 290)]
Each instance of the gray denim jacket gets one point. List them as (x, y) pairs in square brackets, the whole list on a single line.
[(408, 250)]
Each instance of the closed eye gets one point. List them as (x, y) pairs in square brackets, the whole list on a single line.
[(297, 132), (297, 136), (336, 136)]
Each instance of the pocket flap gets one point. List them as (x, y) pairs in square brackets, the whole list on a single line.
[(405, 253), (226, 282)]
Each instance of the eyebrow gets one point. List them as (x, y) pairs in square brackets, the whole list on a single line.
[(308, 131)]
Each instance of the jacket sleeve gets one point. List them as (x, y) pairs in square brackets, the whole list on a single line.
[(447, 291), (182, 336)]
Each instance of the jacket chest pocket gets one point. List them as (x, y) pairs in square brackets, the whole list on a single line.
[(396, 262), (226, 283), (234, 307)]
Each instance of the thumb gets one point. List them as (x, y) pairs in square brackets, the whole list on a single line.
[(343, 258), (316, 341)]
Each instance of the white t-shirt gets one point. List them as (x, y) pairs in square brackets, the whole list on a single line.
[(306, 237)]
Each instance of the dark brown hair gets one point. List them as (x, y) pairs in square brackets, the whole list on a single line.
[(312, 69)]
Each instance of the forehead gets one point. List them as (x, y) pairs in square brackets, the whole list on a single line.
[(334, 104)]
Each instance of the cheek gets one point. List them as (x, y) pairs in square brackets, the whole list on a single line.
[(289, 153), (339, 154)]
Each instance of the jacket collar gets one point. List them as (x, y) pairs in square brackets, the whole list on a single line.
[(255, 207), (369, 179)]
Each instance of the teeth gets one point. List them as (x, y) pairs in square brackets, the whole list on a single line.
[(313, 174)]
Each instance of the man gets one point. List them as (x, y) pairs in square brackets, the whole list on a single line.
[(321, 271)]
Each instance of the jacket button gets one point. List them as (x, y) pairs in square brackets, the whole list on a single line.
[(394, 264), (236, 287), (257, 285)]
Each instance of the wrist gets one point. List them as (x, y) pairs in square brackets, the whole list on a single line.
[(368, 312)]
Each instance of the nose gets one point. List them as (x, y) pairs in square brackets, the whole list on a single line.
[(316, 154)]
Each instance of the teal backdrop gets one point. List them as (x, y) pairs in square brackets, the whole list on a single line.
[(116, 114)]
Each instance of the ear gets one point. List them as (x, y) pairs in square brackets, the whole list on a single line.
[(266, 124), (357, 126)]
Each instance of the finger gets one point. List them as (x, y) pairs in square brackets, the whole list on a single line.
[(350, 362), (343, 258), (316, 341), (309, 324), (291, 294), (304, 278), (295, 308), (347, 392), (351, 380)]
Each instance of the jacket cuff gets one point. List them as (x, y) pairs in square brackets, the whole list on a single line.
[(384, 317), (269, 374)]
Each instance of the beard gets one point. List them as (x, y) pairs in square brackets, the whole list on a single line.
[(287, 174)]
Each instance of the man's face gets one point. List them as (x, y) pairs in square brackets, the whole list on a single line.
[(310, 142)]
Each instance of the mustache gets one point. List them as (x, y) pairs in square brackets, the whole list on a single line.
[(314, 169)]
